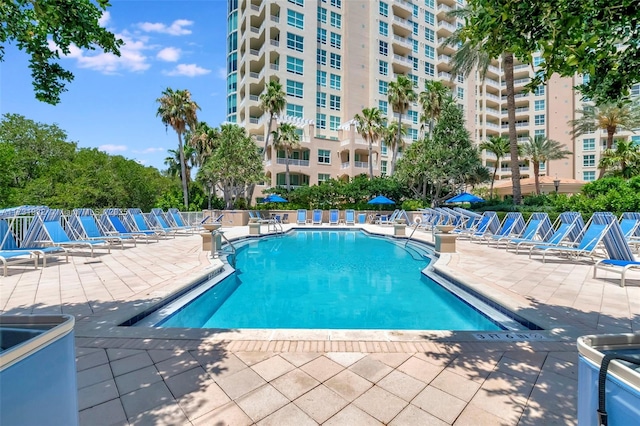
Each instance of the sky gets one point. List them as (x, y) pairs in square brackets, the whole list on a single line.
[(111, 103)]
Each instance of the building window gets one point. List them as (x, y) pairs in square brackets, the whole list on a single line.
[(586, 78), (321, 57), (383, 68), (538, 119), (297, 2), (416, 10), (429, 18), (414, 79), (295, 19), (429, 35), (383, 106), (384, 48), (416, 63), (321, 100), (322, 15), (635, 90), (295, 89), (321, 78), (295, 65), (336, 40), (539, 105), (539, 132), (413, 116), (321, 121), (335, 82), (383, 28), (429, 3), (635, 140), (416, 28), (429, 52), (295, 42), (384, 149), (323, 177), (415, 46), (413, 134), (336, 20), (336, 61), (589, 176), (334, 102), (336, 3), (537, 60), (460, 93), (383, 86), (384, 9), (539, 91), (383, 168), (334, 122), (324, 156), (429, 69), (294, 110), (589, 160), (589, 144), (322, 36)]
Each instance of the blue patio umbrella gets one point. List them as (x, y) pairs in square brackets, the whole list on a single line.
[(274, 198), (381, 199), (465, 197)]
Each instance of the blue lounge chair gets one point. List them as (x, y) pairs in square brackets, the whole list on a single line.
[(159, 219), (591, 238), (110, 219), (175, 219), (138, 223), (568, 222), (511, 227), (59, 237), (84, 226), (535, 229), (8, 257), (316, 217), (349, 217), (334, 217), (621, 258), (301, 217), (388, 219), (488, 225)]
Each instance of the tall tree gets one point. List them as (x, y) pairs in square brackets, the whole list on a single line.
[(388, 135), (400, 95), (498, 146), (179, 111), (369, 126), (624, 161), (541, 150), (34, 26), (611, 117), (286, 139), (203, 140), (432, 100), (272, 101)]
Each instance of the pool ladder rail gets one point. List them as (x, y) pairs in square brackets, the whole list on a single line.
[(214, 252)]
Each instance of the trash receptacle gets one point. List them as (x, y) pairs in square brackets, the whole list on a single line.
[(38, 370), (620, 378), (362, 218)]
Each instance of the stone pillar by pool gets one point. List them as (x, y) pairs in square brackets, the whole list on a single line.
[(399, 229), (445, 242), (254, 228)]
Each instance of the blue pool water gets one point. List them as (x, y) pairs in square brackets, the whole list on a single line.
[(329, 280)]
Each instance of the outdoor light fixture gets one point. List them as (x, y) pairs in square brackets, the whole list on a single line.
[(556, 184)]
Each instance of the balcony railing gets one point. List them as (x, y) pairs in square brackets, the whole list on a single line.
[(447, 26), (361, 164), (506, 126), (402, 59), (293, 162)]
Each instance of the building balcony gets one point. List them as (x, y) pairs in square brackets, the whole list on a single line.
[(293, 162), (506, 126), (405, 5), (403, 23), (518, 82), (445, 27), (402, 41)]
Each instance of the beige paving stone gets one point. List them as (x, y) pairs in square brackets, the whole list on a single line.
[(261, 402), (322, 368), (345, 358), (541, 416), (289, 415), (299, 359), (137, 379), (420, 369), (503, 395), (402, 385), (474, 366), (473, 415), (159, 355), (207, 398), (455, 385), (294, 383), (131, 363), (440, 404), (227, 415), (370, 369), (145, 399), (219, 365), (97, 394), (166, 414), (176, 365), (186, 382), (91, 360), (348, 385), (240, 383), (115, 354), (272, 368), (320, 403), (105, 414), (380, 404), (412, 415), (352, 415), (94, 375), (392, 359), (251, 358), (554, 392)]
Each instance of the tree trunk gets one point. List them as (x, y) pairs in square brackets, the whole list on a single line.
[(611, 131), (493, 180), (396, 146), (266, 140), (507, 60), (370, 157), (536, 172), (287, 182), (183, 173)]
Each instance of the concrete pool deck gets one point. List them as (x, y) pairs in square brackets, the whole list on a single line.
[(181, 377)]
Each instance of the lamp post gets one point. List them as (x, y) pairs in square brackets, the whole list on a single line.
[(556, 184)]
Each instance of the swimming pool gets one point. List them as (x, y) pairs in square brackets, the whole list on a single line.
[(328, 279)]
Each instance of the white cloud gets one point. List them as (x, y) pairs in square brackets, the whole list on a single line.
[(132, 57), (169, 54), (188, 70), (222, 73), (176, 28), (104, 19), (112, 148), (149, 150), (142, 162)]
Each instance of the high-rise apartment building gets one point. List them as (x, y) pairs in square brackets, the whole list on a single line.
[(336, 57)]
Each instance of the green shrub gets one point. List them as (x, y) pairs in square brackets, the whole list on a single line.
[(412, 205)]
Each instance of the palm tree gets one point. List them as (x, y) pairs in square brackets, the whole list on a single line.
[(388, 135), (400, 95), (623, 161), (272, 101), (286, 138), (173, 163), (203, 140), (540, 149), (369, 126), (607, 116), (499, 146), (432, 100), (178, 110), (477, 176)]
